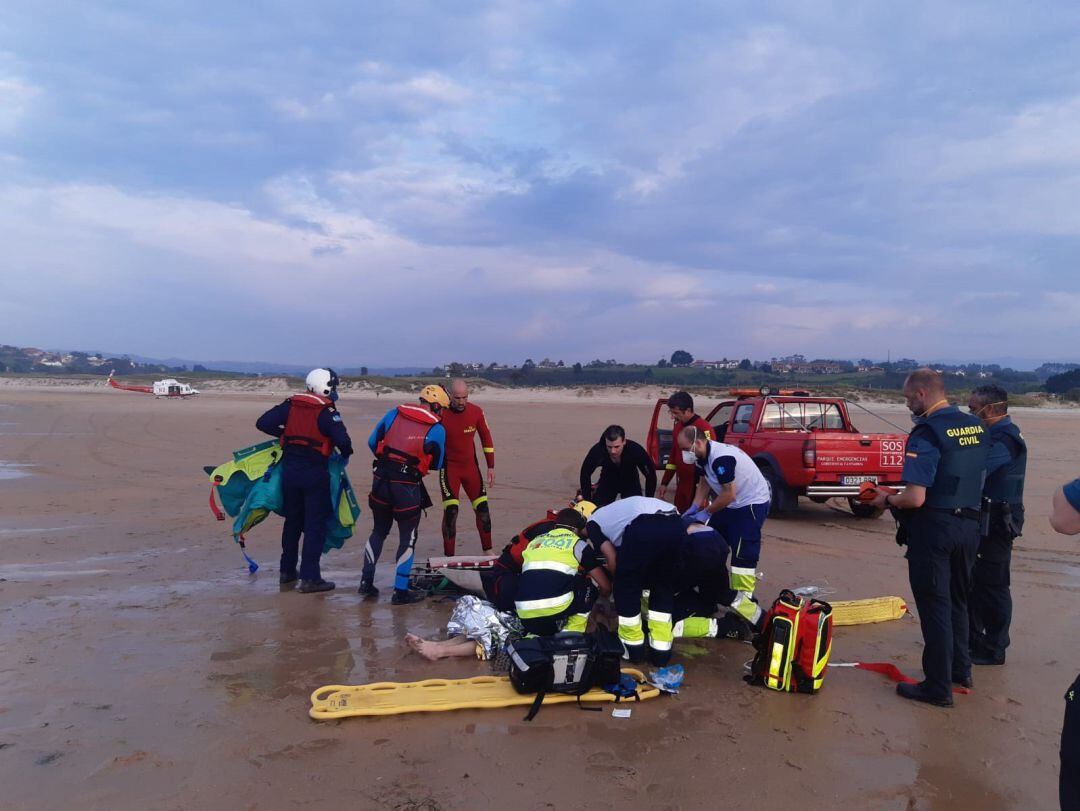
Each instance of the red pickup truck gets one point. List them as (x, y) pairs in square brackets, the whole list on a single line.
[(805, 446)]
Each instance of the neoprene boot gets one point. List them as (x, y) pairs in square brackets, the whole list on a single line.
[(406, 597), (367, 589), (315, 586)]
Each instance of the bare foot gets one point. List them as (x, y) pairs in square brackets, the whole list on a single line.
[(430, 650)]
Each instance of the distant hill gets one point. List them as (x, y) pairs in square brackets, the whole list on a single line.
[(43, 361)]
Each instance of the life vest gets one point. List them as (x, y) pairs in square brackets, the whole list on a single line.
[(1006, 484), (794, 646), (962, 440), (516, 548), (404, 440), (549, 564), (302, 425)]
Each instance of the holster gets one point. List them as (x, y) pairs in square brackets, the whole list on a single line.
[(985, 514), (901, 526), (1005, 521)]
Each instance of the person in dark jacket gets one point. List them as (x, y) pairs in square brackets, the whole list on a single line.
[(310, 427), (1003, 503), (938, 513), (622, 462)]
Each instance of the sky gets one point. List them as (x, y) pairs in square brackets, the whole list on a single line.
[(409, 183)]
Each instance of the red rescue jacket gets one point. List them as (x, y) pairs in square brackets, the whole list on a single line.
[(302, 426), (404, 440)]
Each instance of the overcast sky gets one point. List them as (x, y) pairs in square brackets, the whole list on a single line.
[(411, 183)]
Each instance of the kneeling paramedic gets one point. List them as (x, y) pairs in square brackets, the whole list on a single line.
[(309, 427), (702, 587), (407, 443), (738, 510), (500, 580), (939, 515), (554, 592)]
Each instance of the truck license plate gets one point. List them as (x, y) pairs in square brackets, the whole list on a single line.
[(858, 479)]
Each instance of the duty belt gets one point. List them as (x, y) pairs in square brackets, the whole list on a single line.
[(959, 512)]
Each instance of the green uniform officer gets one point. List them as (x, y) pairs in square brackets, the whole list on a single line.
[(938, 513)]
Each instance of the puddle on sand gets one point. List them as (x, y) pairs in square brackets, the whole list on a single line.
[(13, 470)]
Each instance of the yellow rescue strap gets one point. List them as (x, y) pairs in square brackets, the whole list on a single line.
[(440, 695), (861, 612)]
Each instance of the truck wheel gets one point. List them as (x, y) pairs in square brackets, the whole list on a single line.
[(860, 510), (784, 500)]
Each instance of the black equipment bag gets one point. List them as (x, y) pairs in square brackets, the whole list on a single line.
[(571, 663)]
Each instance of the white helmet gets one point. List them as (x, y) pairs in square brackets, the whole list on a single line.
[(322, 381)]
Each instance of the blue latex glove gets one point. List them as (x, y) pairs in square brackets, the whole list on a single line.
[(695, 513)]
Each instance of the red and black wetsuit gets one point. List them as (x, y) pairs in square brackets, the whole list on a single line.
[(684, 493), (500, 581), (462, 471)]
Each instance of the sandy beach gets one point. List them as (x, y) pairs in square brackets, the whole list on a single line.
[(141, 666)]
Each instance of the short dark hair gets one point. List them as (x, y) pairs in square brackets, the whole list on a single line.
[(681, 400), (570, 518), (991, 393), (613, 432)]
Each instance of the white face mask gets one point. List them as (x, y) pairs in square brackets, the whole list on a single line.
[(689, 457)]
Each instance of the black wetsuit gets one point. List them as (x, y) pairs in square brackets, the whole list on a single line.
[(617, 480)]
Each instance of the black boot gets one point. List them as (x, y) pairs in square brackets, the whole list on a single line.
[(368, 590), (964, 681), (285, 578), (979, 659), (406, 597), (918, 692), (315, 586)]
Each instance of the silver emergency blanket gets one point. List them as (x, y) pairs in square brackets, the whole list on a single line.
[(481, 622)]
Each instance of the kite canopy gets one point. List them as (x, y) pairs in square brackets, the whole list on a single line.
[(249, 486)]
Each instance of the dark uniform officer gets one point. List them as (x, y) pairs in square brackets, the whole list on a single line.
[(938, 514), (310, 427), (1003, 521)]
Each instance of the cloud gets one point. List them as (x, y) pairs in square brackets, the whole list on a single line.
[(807, 177)]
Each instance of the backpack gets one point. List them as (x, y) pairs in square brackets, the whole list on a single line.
[(793, 649), (571, 663)]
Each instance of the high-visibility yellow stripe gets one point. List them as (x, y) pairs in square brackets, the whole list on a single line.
[(548, 565), (528, 609), (450, 502), (489, 450), (659, 616), (477, 502), (630, 630), (576, 623), (670, 466)]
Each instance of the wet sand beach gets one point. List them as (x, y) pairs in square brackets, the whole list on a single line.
[(141, 666)]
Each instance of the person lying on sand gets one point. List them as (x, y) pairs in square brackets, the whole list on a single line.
[(476, 628)]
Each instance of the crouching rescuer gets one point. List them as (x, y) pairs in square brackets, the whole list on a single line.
[(407, 443), (309, 427), (555, 590), (737, 511)]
